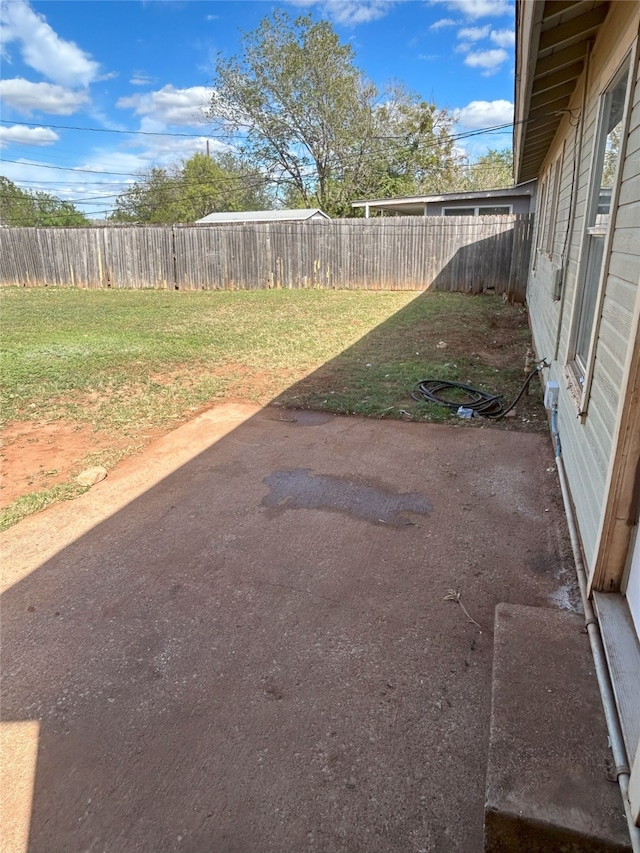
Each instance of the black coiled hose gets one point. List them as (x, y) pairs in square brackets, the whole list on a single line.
[(482, 404)]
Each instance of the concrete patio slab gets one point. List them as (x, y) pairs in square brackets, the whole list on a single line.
[(246, 640)]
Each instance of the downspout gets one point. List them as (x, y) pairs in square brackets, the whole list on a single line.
[(621, 768)]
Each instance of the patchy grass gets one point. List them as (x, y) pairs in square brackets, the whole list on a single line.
[(132, 364), (475, 340), (131, 359), (37, 501)]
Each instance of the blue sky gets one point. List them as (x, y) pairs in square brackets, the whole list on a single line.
[(147, 66)]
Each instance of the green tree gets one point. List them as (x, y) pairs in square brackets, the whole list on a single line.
[(150, 200), (410, 151), (307, 117), (491, 171), (191, 190), (23, 208), (224, 183), (611, 155)]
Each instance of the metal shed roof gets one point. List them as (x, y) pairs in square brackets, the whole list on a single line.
[(415, 204), (301, 215)]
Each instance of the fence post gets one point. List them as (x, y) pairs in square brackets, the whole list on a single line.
[(465, 254)]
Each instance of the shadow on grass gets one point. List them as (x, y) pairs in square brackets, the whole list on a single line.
[(482, 341), (478, 340)]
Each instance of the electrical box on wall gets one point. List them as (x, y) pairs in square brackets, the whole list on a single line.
[(558, 276), (551, 392)]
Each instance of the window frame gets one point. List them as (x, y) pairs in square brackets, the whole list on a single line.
[(581, 376), (541, 204), (507, 207), (555, 200)]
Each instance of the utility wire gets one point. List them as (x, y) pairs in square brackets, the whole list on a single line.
[(480, 167), (441, 140), (203, 135), (107, 130)]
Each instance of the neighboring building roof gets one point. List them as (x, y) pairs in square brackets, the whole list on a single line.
[(415, 204), (263, 216), (552, 43)]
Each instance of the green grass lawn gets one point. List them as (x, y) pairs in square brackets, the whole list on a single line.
[(129, 361), (123, 358)]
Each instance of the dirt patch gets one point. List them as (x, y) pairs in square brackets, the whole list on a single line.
[(36, 456)]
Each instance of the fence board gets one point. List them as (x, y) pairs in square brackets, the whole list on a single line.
[(472, 254)]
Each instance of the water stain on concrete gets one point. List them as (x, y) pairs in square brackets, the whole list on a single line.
[(304, 418), (544, 564), (299, 489)]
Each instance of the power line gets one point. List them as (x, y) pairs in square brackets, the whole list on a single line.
[(176, 184), (107, 130), (229, 135), (98, 172), (440, 141), (170, 192), (481, 167)]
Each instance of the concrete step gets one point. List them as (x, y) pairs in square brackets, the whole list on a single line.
[(547, 786)]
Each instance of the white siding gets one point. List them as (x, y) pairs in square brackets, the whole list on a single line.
[(587, 445)]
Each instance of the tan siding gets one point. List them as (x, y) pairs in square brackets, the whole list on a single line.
[(622, 292), (625, 240), (633, 143), (610, 373), (585, 475), (630, 189), (587, 445), (629, 215), (616, 323)]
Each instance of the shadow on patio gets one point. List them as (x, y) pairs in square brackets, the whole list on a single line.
[(243, 641)]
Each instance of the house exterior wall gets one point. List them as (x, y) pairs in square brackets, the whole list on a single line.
[(588, 424), (519, 204)]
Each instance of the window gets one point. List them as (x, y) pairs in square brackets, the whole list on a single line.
[(539, 219), (553, 212), (459, 211), (500, 210), (496, 210), (603, 176)]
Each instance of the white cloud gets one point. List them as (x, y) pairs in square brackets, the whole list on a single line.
[(503, 38), (141, 79), (166, 149), (26, 97), (106, 171), (479, 114), (443, 22), (211, 17), (170, 105), (70, 185), (22, 135), (489, 60), (474, 33), (43, 49), (477, 8), (349, 12)]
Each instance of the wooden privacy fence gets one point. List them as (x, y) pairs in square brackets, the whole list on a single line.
[(474, 254)]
